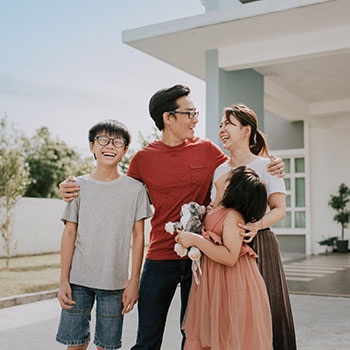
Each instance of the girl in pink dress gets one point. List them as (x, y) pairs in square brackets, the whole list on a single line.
[(229, 309)]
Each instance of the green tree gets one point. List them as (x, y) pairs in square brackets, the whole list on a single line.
[(50, 161), (14, 178)]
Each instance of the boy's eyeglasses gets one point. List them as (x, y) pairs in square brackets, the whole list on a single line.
[(104, 140), (190, 115)]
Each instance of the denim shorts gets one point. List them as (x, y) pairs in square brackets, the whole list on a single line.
[(74, 327)]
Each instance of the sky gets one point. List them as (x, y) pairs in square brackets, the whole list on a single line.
[(63, 65)]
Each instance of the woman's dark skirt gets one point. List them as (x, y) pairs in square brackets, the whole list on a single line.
[(270, 264)]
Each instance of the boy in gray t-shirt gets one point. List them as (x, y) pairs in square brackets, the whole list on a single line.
[(99, 223)]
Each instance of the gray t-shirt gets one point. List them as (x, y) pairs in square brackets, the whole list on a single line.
[(105, 213)]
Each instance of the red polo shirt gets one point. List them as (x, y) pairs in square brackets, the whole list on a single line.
[(174, 176)]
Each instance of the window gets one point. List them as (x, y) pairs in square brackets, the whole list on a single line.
[(295, 181)]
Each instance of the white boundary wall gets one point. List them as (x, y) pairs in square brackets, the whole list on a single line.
[(38, 228)]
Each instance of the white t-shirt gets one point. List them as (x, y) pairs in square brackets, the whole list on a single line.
[(273, 184)]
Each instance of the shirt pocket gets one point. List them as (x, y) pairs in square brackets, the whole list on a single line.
[(199, 174)]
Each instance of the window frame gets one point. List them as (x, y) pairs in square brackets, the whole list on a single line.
[(292, 175)]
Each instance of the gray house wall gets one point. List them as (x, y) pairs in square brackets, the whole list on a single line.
[(282, 134), (226, 88)]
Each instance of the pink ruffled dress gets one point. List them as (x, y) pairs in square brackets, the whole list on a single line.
[(229, 309)]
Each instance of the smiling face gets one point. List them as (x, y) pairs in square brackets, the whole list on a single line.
[(108, 155), (232, 133), (180, 125)]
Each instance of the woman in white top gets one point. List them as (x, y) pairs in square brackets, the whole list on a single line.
[(240, 136)]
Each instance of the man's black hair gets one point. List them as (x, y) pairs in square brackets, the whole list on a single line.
[(164, 101)]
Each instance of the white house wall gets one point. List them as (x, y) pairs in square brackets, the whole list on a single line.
[(330, 166)]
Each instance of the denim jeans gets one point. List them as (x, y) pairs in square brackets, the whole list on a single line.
[(157, 287), (74, 327)]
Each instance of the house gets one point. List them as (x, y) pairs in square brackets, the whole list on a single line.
[(290, 61)]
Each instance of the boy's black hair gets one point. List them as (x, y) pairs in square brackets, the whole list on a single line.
[(110, 127), (164, 101), (246, 193)]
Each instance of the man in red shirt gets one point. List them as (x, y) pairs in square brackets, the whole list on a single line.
[(176, 169)]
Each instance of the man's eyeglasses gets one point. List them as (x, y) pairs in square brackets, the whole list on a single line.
[(104, 140), (190, 115)]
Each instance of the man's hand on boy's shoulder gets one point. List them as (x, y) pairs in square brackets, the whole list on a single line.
[(69, 188), (65, 296), (276, 166), (130, 296)]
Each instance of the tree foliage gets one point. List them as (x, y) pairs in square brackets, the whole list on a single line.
[(50, 161), (14, 178)]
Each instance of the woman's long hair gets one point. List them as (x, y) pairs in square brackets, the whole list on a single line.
[(247, 116)]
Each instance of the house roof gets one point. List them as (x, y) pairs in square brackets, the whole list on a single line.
[(302, 47)]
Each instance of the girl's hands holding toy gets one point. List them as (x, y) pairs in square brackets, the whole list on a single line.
[(186, 239), (209, 207)]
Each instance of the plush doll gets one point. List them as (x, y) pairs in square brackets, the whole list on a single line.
[(190, 220)]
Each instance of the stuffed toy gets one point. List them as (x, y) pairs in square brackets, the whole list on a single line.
[(191, 215)]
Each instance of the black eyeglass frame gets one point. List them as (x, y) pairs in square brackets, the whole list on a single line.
[(113, 139), (190, 115)]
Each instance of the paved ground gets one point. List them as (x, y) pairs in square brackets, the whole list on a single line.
[(319, 275), (322, 322)]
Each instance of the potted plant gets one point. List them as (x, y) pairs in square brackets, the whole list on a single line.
[(339, 204), (329, 243)]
